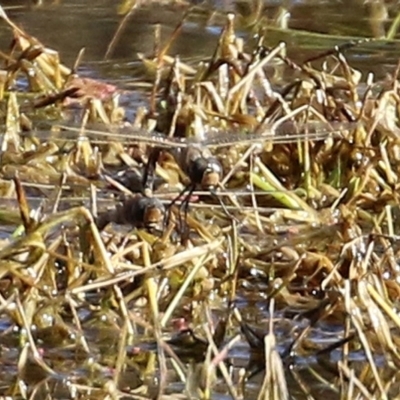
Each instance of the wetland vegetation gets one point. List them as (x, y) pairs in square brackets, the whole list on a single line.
[(217, 222)]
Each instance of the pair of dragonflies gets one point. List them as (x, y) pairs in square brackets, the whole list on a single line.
[(194, 156)]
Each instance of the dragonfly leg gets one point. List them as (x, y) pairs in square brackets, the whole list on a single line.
[(223, 206), (149, 171), (181, 193), (185, 207)]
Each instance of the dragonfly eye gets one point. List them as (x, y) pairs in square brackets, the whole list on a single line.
[(206, 172), (147, 212), (153, 216), (212, 174), (210, 180)]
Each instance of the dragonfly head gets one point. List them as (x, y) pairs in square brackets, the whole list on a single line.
[(147, 212), (209, 173)]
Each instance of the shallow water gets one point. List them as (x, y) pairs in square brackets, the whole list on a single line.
[(70, 25)]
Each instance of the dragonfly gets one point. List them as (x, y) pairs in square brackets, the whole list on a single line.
[(139, 211), (194, 154), (280, 133)]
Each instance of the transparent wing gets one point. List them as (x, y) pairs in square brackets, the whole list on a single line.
[(288, 132)]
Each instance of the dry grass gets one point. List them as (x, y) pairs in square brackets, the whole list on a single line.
[(303, 221)]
